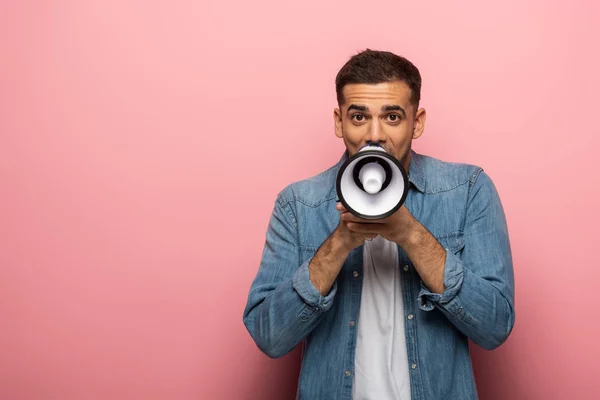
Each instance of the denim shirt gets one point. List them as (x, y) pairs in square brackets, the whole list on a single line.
[(460, 207)]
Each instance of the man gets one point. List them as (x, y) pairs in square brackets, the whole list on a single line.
[(387, 318)]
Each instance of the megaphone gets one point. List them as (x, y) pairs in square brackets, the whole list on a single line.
[(372, 184)]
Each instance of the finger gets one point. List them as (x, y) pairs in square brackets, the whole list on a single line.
[(349, 217), (340, 207), (362, 228)]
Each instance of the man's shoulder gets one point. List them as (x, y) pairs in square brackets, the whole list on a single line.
[(441, 175), (312, 191)]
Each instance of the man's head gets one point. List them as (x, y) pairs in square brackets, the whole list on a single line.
[(378, 96)]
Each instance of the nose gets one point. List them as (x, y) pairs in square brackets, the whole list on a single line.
[(376, 133)]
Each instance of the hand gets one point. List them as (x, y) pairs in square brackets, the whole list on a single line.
[(348, 238), (427, 255), (396, 228)]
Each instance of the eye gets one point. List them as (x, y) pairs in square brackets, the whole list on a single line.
[(358, 117), (394, 118)]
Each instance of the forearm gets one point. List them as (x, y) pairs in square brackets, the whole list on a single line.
[(427, 256), (478, 280), (287, 302), (285, 315), (326, 264), (473, 304)]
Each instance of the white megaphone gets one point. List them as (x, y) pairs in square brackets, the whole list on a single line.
[(372, 184)]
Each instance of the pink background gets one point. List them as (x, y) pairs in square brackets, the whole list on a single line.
[(142, 145)]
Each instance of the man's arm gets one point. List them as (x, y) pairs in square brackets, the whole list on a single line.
[(288, 298), (427, 255), (477, 295), (475, 289), (327, 262)]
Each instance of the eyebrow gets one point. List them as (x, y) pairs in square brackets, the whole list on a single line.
[(359, 108), (394, 107), (385, 108)]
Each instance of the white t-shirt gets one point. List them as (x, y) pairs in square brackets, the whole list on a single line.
[(381, 363)]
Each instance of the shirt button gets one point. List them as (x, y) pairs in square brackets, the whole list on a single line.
[(410, 316), (355, 274), (406, 267), (348, 373), (414, 366), (351, 323)]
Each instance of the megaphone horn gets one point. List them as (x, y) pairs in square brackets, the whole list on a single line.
[(372, 184)]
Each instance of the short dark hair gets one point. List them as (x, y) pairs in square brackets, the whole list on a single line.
[(372, 67)]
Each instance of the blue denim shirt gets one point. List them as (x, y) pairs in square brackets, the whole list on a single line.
[(459, 205)]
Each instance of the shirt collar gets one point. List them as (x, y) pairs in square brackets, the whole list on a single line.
[(416, 172)]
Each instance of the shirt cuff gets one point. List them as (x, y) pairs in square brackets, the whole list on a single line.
[(309, 293), (453, 280)]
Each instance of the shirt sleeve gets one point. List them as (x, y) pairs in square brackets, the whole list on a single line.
[(283, 305), (478, 276), (309, 293)]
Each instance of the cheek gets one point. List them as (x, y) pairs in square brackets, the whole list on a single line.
[(400, 138), (400, 134), (353, 133)]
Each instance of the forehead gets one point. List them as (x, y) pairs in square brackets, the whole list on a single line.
[(377, 94)]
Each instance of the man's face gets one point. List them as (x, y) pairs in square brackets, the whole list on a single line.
[(380, 113)]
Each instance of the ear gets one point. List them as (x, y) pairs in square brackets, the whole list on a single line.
[(337, 120), (419, 125)]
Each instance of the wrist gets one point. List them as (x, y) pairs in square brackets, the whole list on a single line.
[(338, 245), (411, 235)]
